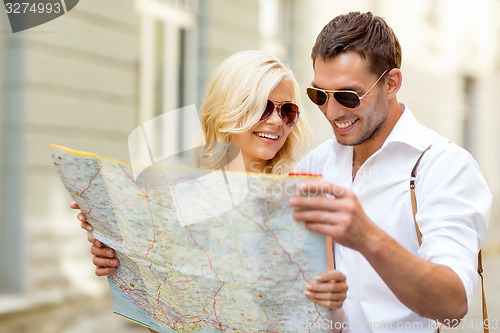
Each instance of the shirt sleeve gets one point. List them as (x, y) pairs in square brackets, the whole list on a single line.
[(454, 204)]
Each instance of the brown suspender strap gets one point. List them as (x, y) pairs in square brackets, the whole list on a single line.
[(413, 197), (486, 323)]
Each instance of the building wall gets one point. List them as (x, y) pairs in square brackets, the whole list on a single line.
[(231, 26), (3, 27), (11, 238), (75, 85), (81, 93)]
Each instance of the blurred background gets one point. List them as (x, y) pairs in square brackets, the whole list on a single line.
[(88, 78)]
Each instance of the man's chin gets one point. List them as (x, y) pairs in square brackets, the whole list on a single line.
[(351, 141), (344, 141)]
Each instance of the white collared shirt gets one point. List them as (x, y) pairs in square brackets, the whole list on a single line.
[(453, 202)]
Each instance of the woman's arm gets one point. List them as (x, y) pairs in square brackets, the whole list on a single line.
[(338, 320)]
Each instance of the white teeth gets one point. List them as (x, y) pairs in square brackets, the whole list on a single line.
[(267, 136), (345, 125)]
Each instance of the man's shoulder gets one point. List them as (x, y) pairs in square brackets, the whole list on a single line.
[(450, 156), (438, 143)]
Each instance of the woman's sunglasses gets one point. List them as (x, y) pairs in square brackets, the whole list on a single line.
[(288, 112), (347, 98)]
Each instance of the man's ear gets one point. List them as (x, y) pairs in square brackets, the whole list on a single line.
[(393, 82)]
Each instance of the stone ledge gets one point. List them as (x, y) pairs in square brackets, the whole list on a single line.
[(47, 312), (11, 304)]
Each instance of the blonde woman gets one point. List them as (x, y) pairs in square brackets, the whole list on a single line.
[(253, 102), (239, 108)]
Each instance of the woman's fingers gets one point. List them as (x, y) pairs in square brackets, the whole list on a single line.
[(330, 289), (104, 257), (81, 217), (329, 304), (94, 241), (327, 287), (330, 275), (332, 300), (86, 226), (103, 271), (105, 252), (102, 262)]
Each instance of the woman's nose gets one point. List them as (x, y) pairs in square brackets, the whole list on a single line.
[(275, 119)]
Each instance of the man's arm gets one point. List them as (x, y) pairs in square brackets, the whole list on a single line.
[(431, 290)]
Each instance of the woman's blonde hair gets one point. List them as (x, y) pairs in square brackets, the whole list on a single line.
[(235, 100)]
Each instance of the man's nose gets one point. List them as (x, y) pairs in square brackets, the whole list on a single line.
[(333, 109)]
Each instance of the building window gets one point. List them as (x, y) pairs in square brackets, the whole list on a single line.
[(433, 12), (470, 114), (276, 27), (168, 72)]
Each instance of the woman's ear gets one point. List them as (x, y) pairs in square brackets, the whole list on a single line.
[(393, 82)]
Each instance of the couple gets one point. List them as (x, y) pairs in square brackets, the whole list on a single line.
[(394, 283)]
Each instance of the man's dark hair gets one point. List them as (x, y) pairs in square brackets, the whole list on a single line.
[(368, 35)]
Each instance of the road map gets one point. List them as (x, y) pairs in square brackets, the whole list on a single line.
[(200, 250)]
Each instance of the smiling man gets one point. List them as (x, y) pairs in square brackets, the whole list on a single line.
[(394, 284)]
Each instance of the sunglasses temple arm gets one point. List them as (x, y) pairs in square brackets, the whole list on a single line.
[(368, 91)]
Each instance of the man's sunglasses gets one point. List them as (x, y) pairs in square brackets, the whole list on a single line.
[(288, 112), (347, 98)]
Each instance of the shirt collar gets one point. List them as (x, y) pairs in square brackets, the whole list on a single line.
[(406, 131)]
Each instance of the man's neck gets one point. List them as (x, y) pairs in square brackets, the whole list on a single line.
[(363, 151)]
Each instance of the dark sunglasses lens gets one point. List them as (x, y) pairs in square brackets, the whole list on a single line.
[(268, 111), (318, 97), (347, 99), (289, 113)]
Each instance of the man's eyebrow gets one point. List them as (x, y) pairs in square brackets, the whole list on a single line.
[(348, 88), (316, 86)]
